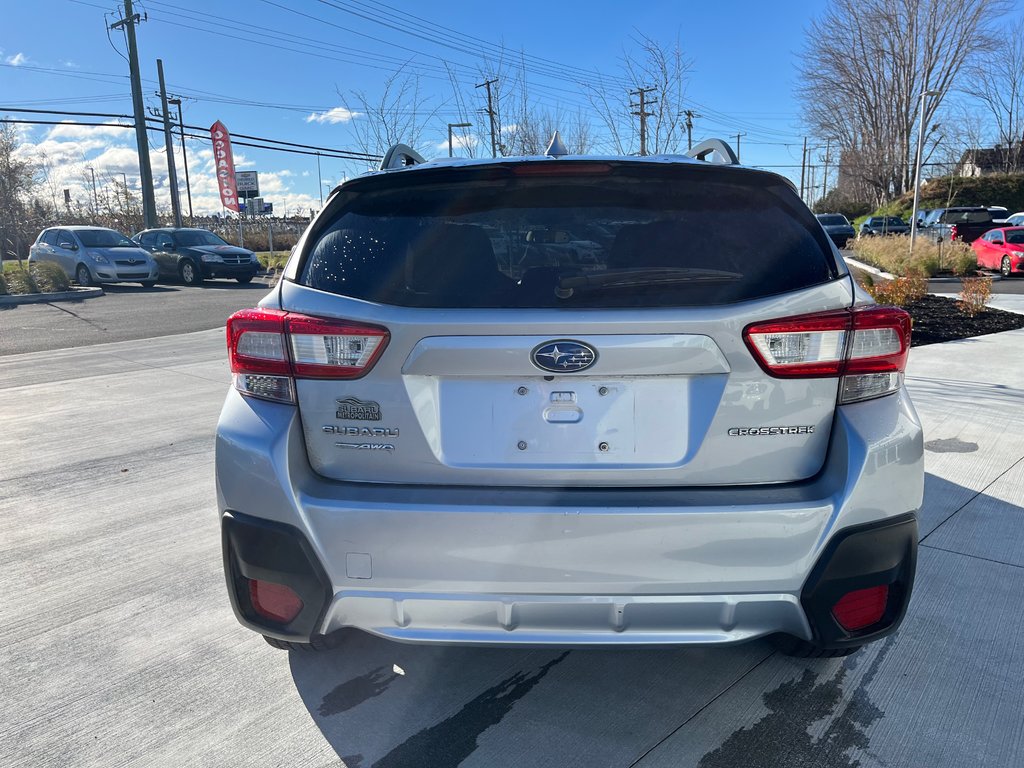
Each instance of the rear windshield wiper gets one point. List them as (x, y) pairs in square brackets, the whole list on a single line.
[(641, 276)]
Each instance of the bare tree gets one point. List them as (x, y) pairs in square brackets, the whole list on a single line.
[(653, 65), (523, 125), (17, 186), (866, 64), (399, 115), (997, 80)]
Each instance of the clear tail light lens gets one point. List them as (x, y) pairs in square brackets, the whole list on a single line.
[(866, 347), (268, 349)]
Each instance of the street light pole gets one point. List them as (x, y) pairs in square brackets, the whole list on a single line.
[(184, 157), (455, 125), (917, 171)]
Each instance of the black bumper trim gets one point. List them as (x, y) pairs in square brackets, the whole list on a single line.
[(262, 549), (859, 557)]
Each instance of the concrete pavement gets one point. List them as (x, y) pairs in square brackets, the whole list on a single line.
[(118, 647)]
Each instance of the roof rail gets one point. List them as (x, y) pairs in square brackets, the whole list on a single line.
[(400, 156), (717, 146)]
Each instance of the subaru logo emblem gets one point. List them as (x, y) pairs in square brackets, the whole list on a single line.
[(563, 356)]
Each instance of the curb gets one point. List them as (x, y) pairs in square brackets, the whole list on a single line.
[(879, 273), (40, 298)]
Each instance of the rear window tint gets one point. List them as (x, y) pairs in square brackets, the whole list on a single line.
[(620, 239)]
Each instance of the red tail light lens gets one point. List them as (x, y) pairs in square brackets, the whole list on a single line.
[(269, 348), (866, 346), (275, 602), (861, 608)]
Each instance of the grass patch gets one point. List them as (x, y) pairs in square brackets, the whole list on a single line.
[(272, 259), (892, 254), (39, 278)]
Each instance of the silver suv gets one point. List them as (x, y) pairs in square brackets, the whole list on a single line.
[(569, 401)]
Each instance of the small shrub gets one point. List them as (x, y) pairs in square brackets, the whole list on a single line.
[(20, 281), (974, 294), (50, 278), (899, 292), (963, 263)]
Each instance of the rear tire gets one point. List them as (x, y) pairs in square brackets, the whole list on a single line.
[(320, 643), (801, 649), (83, 276), (191, 273), (1004, 266)]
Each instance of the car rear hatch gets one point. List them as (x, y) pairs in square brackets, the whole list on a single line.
[(566, 324)]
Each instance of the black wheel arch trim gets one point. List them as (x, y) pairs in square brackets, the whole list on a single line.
[(861, 556), (254, 548)]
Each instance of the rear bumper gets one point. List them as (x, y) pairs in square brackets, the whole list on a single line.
[(573, 566)]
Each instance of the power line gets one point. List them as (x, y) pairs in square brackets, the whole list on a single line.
[(339, 154)]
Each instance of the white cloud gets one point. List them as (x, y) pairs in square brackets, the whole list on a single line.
[(333, 116), (69, 129), (17, 59), (460, 141)]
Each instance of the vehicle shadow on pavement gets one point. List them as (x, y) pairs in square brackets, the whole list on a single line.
[(391, 705)]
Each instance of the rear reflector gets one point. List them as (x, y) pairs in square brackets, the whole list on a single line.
[(861, 608), (268, 349), (866, 346), (275, 602)]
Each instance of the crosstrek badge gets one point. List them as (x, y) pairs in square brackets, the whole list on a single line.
[(756, 431)]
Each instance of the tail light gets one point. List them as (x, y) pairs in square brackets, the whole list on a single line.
[(861, 608), (268, 349), (866, 347)]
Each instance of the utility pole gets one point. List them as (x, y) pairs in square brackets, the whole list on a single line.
[(824, 181), (95, 197), (643, 114), (738, 135), (172, 176), (490, 114), (690, 114), (184, 156), (803, 169), (320, 180), (145, 171)]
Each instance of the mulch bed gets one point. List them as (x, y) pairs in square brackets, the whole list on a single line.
[(938, 318)]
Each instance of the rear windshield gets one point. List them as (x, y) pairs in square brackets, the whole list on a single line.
[(966, 217), (104, 238), (833, 221), (197, 237), (491, 238)]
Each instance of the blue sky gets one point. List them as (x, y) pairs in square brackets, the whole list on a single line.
[(299, 55)]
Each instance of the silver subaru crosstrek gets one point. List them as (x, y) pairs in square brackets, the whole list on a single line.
[(569, 401)]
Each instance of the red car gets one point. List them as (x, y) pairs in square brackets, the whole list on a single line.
[(1001, 249)]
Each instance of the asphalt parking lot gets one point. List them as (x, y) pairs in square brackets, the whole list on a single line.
[(125, 311), (118, 646)]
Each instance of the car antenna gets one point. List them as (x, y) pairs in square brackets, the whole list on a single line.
[(556, 148)]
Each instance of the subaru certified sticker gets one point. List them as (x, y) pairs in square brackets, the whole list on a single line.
[(563, 356)]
